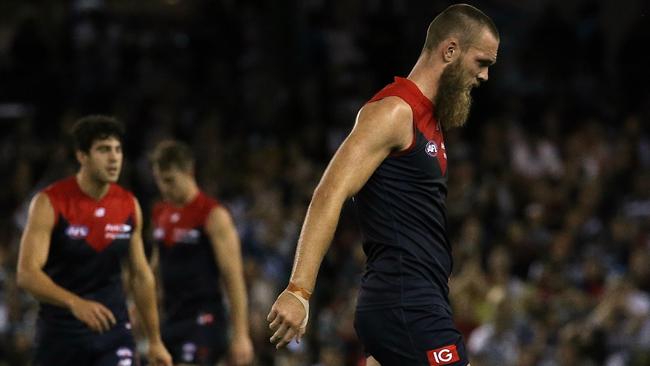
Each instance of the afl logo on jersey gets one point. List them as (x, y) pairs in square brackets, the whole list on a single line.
[(76, 232), (431, 149)]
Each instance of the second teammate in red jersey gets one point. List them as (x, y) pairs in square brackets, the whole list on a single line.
[(197, 246)]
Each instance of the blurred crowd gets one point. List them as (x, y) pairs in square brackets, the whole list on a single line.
[(549, 183)]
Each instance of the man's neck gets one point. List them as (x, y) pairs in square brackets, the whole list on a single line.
[(426, 76), (91, 187)]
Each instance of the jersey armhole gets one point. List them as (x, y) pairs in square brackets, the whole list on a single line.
[(410, 147), (134, 211), (413, 126), (213, 205)]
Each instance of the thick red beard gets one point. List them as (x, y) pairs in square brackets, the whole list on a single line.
[(453, 100)]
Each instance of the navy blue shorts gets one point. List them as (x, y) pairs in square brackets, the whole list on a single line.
[(411, 336), (200, 341), (56, 347)]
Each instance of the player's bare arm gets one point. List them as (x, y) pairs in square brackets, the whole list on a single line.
[(144, 294), (34, 250), (227, 250), (381, 128)]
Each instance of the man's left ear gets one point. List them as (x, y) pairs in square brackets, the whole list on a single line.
[(452, 51), (81, 156)]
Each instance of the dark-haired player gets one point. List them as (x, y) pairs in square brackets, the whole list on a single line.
[(198, 246), (80, 233), (394, 163)]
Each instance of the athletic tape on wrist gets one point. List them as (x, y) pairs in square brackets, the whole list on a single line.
[(305, 304), (299, 290)]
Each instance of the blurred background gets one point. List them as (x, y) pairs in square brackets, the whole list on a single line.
[(549, 182)]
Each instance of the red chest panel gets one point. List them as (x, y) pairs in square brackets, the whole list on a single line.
[(182, 225), (97, 222), (423, 119)]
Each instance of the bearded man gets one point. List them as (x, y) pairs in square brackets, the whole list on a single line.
[(394, 166)]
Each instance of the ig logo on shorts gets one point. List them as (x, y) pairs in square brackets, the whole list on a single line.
[(443, 356)]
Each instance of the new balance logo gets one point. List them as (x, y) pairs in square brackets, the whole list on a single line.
[(443, 356)]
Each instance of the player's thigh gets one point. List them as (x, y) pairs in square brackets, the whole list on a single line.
[(385, 337), (53, 348), (405, 336), (434, 336), (60, 353)]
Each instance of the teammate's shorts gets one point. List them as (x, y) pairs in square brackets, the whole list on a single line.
[(56, 347), (200, 341), (403, 336)]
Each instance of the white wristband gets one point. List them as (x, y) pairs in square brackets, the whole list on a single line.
[(305, 304)]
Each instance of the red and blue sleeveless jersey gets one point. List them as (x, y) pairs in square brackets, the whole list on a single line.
[(89, 242), (403, 216), (189, 272)]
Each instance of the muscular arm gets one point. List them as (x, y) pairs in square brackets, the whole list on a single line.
[(381, 128), (34, 249), (142, 282), (144, 293), (225, 243), (227, 250)]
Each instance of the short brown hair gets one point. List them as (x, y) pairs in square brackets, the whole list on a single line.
[(171, 153), (91, 128), (460, 20)]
